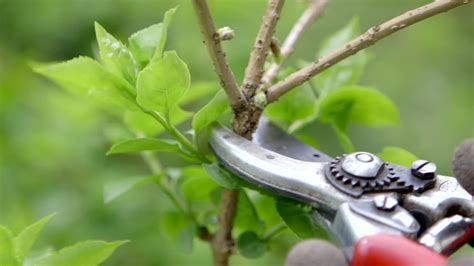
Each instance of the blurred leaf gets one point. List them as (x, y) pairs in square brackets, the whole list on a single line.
[(340, 37), (221, 176), (115, 55), (397, 155), (185, 238), (299, 219), (250, 245), (247, 217), (358, 105), (144, 123), (294, 109), (116, 188), (25, 239), (198, 91), (343, 139), (160, 85), (197, 185), (86, 77), (161, 44), (346, 72), (86, 253), (179, 228), (211, 111), (7, 249), (145, 144)]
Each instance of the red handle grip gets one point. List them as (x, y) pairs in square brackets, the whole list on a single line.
[(390, 250)]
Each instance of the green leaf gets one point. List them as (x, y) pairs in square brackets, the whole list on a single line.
[(299, 219), (246, 217), (210, 112), (145, 144), (397, 155), (161, 43), (185, 238), (86, 77), (179, 228), (346, 72), (294, 109), (160, 85), (25, 239), (115, 55), (221, 176), (343, 139), (198, 91), (7, 249), (116, 188), (143, 43), (197, 185), (358, 105), (86, 253), (144, 123), (250, 245)]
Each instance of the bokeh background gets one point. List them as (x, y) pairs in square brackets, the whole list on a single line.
[(52, 145)]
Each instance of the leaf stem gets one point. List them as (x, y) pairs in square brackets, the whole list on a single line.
[(274, 231)]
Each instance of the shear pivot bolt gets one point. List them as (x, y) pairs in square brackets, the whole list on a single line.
[(385, 203)]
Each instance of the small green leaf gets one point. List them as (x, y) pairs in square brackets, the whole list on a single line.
[(221, 176), (25, 239), (295, 109), (299, 219), (7, 249), (398, 155), (250, 245), (116, 188), (86, 77), (161, 84), (210, 112), (144, 123), (145, 144), (197, 185), (199, 91), (115, 55), (346, 72), (143, 43), (86, 253), (246, 217), (164, 35), (358, 105)]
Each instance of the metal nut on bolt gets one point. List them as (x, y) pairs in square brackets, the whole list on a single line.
[(385, 203), (423, 169)]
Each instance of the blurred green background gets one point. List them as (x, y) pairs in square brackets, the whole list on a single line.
[(52, 145)]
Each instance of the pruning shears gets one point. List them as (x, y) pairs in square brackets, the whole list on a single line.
[(378, 212)]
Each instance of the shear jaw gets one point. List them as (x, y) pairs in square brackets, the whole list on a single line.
[(294, 178)]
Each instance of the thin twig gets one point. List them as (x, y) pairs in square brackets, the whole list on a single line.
[(370, 37), (217, 54), (314, 10), (254, 70)]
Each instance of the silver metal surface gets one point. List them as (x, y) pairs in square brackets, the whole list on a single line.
[(362, 164), (351, 223), (446, 235), (293, 178), (273, 138), (446, 195)]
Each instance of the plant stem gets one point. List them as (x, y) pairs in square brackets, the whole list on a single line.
[(370, 37), (274, 231)]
